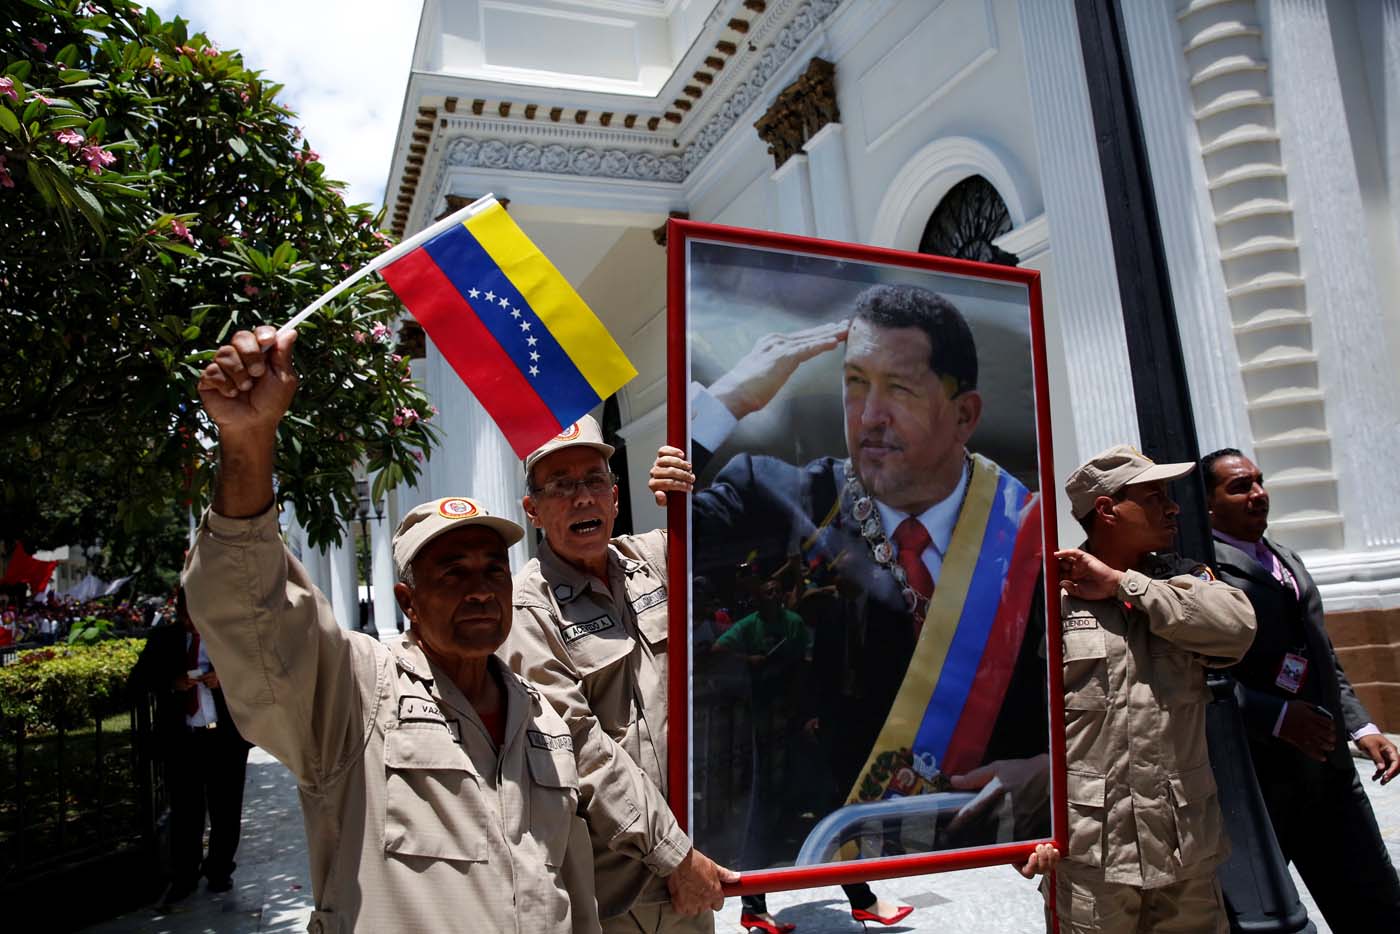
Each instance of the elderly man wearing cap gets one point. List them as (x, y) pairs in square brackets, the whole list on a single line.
[(590, 631), (1140, 626), (439, 790)]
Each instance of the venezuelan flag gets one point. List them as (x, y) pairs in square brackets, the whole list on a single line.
[(524, 342)]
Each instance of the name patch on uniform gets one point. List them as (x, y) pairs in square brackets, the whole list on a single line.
[(576, 631), (648, 600), (420, 709), (1071, 623), (547, 741)]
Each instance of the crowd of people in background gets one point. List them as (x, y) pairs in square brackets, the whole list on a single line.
[(49, 617)]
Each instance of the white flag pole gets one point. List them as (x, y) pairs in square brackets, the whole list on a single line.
[(388, 256)]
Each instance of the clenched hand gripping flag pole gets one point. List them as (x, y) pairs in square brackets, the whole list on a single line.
[(527, 346)]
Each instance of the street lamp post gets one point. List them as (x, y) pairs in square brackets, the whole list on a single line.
[(363, 512)]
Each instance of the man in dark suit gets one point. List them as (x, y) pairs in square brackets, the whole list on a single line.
[(1300, 711), (205, 757)]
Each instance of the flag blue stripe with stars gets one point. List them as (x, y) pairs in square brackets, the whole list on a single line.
[(523, 337)]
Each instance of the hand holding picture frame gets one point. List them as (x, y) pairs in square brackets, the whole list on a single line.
[(860, 664)]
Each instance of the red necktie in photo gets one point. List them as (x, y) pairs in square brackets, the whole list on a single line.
[(911, 538)]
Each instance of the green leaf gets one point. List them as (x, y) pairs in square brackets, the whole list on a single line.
[(71, 75), (8, 121), (19, 69), (189, 333), (238, 146), (66, 122), (67, 56), (96, 128)]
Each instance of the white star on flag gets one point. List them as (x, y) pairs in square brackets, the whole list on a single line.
[(473, 293), (530, 341), (524, 325), (515, 312), (490, 296), (534, 371), (534, 355), (505, 302)]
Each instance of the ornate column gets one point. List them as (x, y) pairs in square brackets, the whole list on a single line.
[(342, 585), (1081, 290), (1355, 361), (833, 218), (386, 608), (799, 115)]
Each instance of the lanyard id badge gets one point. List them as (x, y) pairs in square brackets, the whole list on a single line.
[(1292, 672)]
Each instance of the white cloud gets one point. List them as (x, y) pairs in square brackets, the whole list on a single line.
[(344, 64)]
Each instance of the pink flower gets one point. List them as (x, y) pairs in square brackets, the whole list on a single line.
[(409, 415), (380, 331), (345, 266), (296, 132), (156, 65), (250, 290), (5, 180), (46, 101), (40, 47), (398, 420), (70, 138), (418, 456), (180, 231), (7, 89), (394, 358), (243, 96), (186, 50), (433, 409), (210, 51), (308, 155), (96, 158), (340, 436), (360, 337)]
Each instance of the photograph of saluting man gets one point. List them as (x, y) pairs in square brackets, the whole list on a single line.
[(883, 430)]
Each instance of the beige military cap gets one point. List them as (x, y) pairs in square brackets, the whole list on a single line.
[(427, 521), (584, 432), (1109, 471)]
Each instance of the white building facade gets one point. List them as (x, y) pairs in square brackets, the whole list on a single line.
[(1273, 135)]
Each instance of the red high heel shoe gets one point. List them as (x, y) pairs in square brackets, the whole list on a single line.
[(755, 923), (861, 915)]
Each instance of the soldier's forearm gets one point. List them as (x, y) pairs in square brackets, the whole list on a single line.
[(244, 485)]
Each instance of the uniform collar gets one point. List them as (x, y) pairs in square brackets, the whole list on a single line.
[(409, 657), (568, 583)]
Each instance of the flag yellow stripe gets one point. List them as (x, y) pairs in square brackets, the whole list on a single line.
[(573, 324)]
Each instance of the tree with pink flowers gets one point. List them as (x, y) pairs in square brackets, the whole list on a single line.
[(155, 196)]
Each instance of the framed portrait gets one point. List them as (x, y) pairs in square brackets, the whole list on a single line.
[(860, 667)]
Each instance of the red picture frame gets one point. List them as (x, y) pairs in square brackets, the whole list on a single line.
[(681, 235)]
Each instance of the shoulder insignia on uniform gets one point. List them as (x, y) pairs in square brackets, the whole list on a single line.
[(563, 592), (1202, 572), (549, 741), (575, 631)]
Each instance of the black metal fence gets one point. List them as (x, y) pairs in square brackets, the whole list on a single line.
[(79, 807)]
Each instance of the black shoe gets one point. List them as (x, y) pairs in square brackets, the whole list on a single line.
[(220, 883), (175, 892)]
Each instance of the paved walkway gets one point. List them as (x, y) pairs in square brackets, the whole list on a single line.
[(272, 890)]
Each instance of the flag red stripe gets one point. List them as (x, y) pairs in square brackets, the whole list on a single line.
[(968, 743), (472, 351)]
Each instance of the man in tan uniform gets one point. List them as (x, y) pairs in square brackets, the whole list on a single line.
[(590, 631), (439, 790), (1139, 629)]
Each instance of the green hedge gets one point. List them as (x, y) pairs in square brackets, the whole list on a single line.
[(67, 685)]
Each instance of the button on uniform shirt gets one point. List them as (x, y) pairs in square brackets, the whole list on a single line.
[(1142, 797), (415, 819), (598, 651)]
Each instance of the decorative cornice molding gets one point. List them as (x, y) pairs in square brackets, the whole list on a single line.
[(488, 141)]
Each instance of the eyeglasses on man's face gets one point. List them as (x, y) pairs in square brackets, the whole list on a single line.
[(596, 482)]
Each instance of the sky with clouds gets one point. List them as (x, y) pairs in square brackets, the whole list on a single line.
[(344, 64)]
